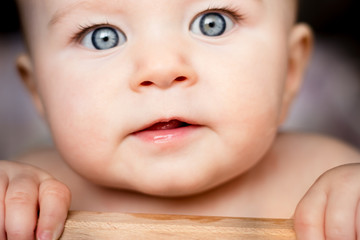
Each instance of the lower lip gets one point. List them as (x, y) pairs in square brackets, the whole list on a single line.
[(165, 136)]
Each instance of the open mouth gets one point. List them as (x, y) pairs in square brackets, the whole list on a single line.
[(168, 125), (166, 131)]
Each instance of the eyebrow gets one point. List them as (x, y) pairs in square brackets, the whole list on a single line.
[(62, 12)]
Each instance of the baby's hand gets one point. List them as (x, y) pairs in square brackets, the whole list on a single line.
[(330, 209), (31, 199)]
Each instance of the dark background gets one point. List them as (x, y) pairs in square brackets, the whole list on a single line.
[(334, 17), (8, 17)]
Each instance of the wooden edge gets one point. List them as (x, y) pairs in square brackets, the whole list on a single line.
[(97, 225)]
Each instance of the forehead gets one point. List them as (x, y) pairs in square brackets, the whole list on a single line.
[(44, 13), (59, 8), (66, 5)]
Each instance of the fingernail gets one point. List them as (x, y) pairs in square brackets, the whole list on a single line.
[(49, 235), (45, 235)]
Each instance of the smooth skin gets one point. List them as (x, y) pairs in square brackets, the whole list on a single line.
[(113, 79)]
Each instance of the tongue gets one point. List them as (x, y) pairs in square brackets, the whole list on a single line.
[(167, 125)]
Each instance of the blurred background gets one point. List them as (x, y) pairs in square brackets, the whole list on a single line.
[(328, 103)]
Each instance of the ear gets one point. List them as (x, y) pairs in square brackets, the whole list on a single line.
[(300, 47), (25, 69)]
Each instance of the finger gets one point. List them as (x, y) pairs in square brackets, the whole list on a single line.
[(21, 208), (340, 214), (3, 186), (309, 215), (54, 202)]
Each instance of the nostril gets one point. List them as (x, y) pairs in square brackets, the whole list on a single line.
[(146, 83), (149, 83), (180, 79)]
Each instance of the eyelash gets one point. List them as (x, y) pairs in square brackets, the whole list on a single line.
[(84, 29), (232, 12)]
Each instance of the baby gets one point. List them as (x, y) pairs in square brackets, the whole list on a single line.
[(173, 107)]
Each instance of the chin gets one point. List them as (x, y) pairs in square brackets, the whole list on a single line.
[(177, 187), (174, 192)]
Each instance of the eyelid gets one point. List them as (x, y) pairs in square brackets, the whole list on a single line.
[(231, 12), (85, 29), (229, 15)]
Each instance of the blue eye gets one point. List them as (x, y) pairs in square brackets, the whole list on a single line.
[(103, 38), (211, 24)]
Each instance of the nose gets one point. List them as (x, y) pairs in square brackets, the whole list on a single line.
[(162, 66)]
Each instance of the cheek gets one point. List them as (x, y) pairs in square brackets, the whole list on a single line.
[(246, 91), (78, 110), (247, 84)]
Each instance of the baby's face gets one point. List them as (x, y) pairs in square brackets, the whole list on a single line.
[(163, 97)]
